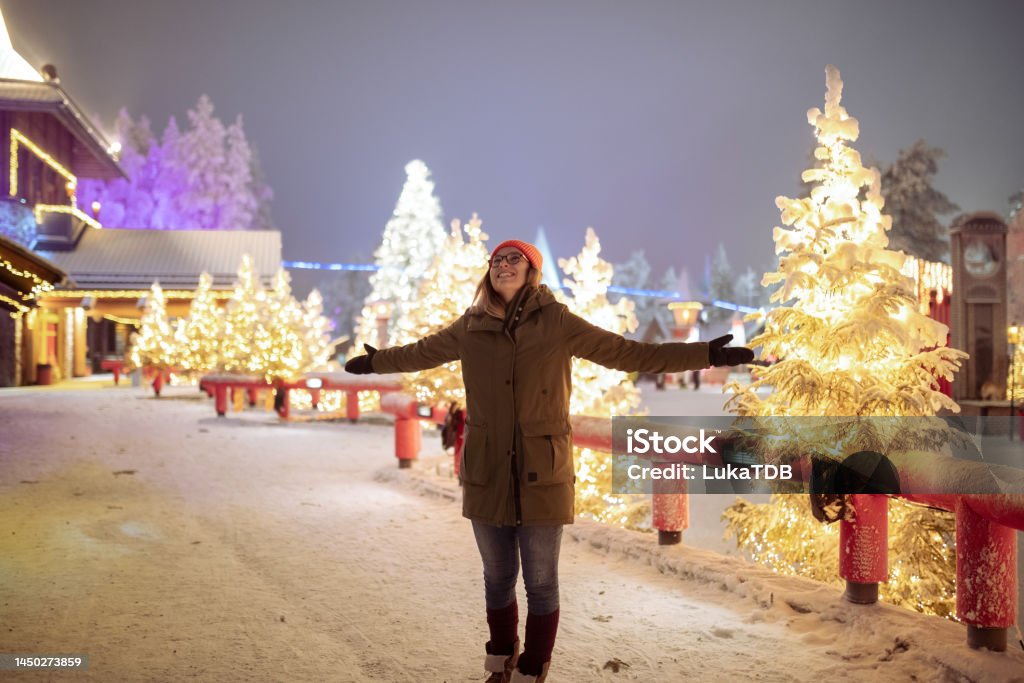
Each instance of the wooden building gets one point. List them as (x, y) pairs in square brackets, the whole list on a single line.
[(24, 277), (110, 273), (90, 282)]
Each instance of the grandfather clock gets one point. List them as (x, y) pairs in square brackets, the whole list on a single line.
[(978, 315)]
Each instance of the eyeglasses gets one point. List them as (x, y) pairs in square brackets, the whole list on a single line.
[(511, 259)]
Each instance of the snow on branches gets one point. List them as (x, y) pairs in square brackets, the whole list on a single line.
[(848, 333)]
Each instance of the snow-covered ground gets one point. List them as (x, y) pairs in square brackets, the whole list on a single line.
[(165, 543)]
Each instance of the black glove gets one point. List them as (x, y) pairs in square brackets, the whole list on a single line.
[(719, 354), (362, 365)]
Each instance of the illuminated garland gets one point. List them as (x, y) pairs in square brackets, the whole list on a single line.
[(39, 285), (40, 209), (131, 293), (929, 276), (18, 138), (18, 305)]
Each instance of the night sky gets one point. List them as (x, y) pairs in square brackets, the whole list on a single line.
[(668, 126)]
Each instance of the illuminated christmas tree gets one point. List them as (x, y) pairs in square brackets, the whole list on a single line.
[(198, 337), (412, 237), (317, 348), (783, 536), (597, 390), (446, 292), (154, 345), (279, 335), (237, 353), (851, 342), (847, 330)]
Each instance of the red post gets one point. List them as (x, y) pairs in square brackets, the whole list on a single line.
[(986, 578), (314, 397), (158, 382), (253, 395), (117, 374), (670, 508), (408, 440), (352, 405), (864, 548), (220, 399), (283, 403)]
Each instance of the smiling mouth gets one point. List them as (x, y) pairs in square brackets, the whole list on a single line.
[(504, 276)]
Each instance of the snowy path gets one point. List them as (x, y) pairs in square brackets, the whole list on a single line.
[(241, 549)]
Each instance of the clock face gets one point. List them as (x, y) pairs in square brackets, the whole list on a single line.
[(979, 260)]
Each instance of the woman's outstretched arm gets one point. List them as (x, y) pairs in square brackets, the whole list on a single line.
[(429, 352), (615, 351)]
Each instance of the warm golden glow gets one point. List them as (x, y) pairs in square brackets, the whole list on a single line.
[(446, 291), (685, 312), (600, 391), (851, 337)]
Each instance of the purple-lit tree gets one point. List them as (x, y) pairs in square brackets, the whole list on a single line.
[(206, 177)]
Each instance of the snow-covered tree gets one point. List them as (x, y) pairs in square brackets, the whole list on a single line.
[(317, 347), (205, 177), (915, 205), (198, 336), (279, 334), (748, 289), (446, 291), (598, 390), (412, 237), (243, 312), (849, 336), (847, 328), (635, 274), (343, 295), (18, 223), (154, 345), (722, 285)]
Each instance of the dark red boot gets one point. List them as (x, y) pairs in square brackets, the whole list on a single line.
[(540, 641), (503, 647)]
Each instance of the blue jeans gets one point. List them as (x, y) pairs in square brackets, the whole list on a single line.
[(500, 549)]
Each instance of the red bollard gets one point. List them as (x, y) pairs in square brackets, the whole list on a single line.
[(670, 507), (986, 578), (283, 403), (117, 374), (158, 382), (314, 397), (408, 440), (352, 405), (253, 395), (220, 399), (864, 548)]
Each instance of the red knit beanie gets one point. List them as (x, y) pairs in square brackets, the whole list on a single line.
[(531, 252)]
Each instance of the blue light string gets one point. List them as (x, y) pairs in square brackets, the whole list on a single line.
[(631, 291)]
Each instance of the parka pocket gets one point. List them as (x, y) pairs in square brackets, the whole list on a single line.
[(547, 453), (473, 468)]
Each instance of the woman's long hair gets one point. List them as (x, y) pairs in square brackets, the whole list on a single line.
[(487, 300)]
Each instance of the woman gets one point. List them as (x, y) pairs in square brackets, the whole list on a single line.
[(516, 344)]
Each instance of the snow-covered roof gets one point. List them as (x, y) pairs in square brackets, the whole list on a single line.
[(13, 65), (132, 259), (22, 88)]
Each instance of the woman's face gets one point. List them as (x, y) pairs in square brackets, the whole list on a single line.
[(507, 278)]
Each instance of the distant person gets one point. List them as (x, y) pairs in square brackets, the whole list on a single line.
[(516, 344)]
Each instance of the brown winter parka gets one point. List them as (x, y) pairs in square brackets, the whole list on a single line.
[(517, 465)]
